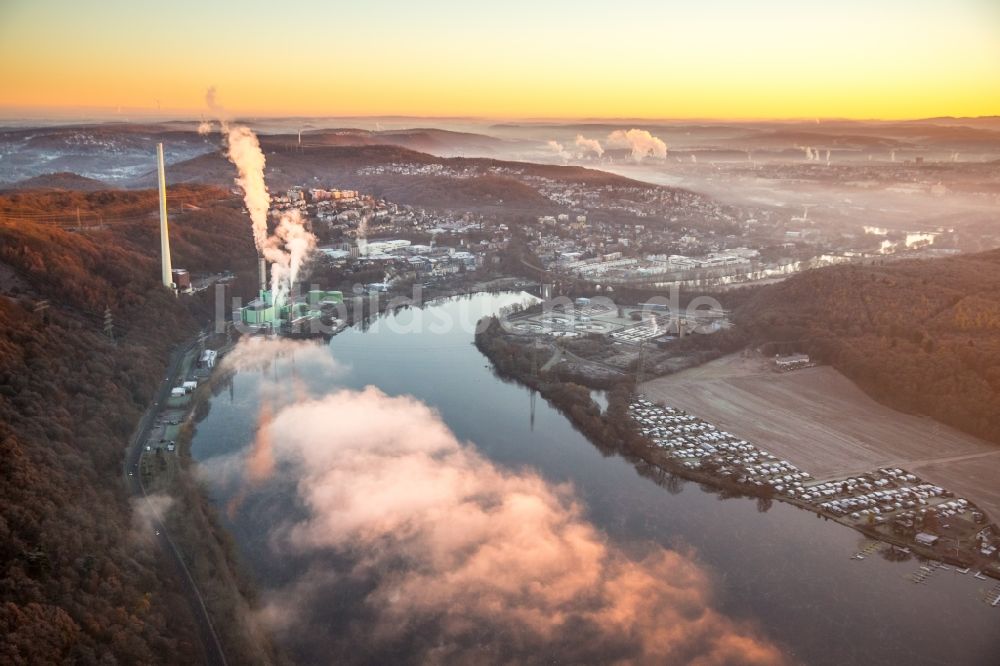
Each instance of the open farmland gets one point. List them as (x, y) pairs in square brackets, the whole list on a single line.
[(820, 421)]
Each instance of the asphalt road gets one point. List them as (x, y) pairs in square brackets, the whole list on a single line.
[(212, 648)]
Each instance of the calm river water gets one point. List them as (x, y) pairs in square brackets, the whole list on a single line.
[(783, 570)]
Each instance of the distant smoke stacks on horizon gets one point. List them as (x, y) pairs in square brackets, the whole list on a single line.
[(640, 142), (558, 149), (589, 146)]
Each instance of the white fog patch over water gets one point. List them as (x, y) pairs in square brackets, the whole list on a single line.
[(457, 558)]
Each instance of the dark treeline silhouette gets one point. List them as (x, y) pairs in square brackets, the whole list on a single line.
[(80, 580), (920, 336)]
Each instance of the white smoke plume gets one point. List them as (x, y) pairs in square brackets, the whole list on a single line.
[(290, 245), (213, 103), (362, 235), (243, 150), (558, 149), (205, 127), (589, 146), (287, 250), (435, 552), (640, 142), (812, 154)]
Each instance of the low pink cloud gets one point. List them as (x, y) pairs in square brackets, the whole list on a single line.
[(461, 561)]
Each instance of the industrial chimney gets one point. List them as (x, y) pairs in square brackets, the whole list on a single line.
[(263, 275), (165, 268)]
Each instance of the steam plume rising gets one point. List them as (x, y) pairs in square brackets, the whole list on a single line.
[(558, 149), (287, 250), (812, 154), (589, 145), (434, 552), (291, 244), (243, 150), (640, 142)]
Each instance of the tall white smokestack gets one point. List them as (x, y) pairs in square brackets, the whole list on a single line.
[(165, 268), (263, 273)]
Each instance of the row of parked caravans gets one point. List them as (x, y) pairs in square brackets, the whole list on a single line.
[(686, 436), (883, 493), (885, 501)]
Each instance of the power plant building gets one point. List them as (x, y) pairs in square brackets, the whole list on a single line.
[(182, 279), (259, 312), (264, 315)]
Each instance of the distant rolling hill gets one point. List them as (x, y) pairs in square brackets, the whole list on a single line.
[(119, 153), (112, 153), (63, 180), (444, 143), (338, 166), (123, 155)]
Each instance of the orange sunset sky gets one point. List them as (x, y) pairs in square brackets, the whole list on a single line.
[(629, 58)]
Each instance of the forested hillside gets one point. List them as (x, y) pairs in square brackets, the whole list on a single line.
[(920, 336), (78, 581)]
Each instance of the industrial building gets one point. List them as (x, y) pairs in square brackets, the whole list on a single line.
[(182, 280), (264, 315)]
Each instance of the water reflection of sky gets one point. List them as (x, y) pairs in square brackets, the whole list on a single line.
[(786, 569)]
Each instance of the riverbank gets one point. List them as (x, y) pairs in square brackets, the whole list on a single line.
[(171, 484), (822, 422), (362, 308), (783, 567), (617, 431)]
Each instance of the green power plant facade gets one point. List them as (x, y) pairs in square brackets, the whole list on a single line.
[(260, 311), (265, 315)]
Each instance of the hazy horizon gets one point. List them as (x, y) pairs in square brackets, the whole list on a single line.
[(69, 115)]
